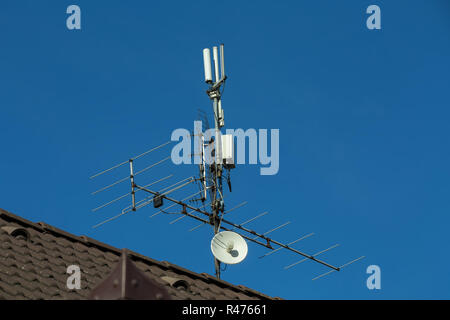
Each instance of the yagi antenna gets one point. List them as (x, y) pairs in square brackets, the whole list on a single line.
[(229, 244)]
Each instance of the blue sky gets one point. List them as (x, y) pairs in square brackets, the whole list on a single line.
[(363, 118)]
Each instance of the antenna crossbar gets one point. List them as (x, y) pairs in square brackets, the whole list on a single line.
[(341, 267), (127, 161), (253, 219), (184, 216), (290, 243), (128, 177), (274, 229), (313, 257)]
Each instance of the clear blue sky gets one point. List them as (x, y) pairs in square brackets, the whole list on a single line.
[(363, 118)]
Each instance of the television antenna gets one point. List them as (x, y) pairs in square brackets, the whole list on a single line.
[(215, 156)]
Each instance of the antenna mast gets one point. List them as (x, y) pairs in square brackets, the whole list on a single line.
[(213, 92)]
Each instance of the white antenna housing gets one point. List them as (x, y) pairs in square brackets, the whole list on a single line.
[(222, 62), (207, 65), (216, 63), (228, 150)]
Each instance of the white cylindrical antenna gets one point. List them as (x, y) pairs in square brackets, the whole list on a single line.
[(222, 62), (216, 63), (207, 65)]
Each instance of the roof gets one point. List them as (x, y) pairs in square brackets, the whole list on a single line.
[(34, 258)]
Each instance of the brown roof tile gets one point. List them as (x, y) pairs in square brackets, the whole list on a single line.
[(36, 268)]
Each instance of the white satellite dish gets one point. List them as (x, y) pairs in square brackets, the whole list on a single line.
[(229, 247)]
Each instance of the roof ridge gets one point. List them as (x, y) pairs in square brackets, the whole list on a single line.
[(44, 227)]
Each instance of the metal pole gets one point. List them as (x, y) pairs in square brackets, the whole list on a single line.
[(216, 178)]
